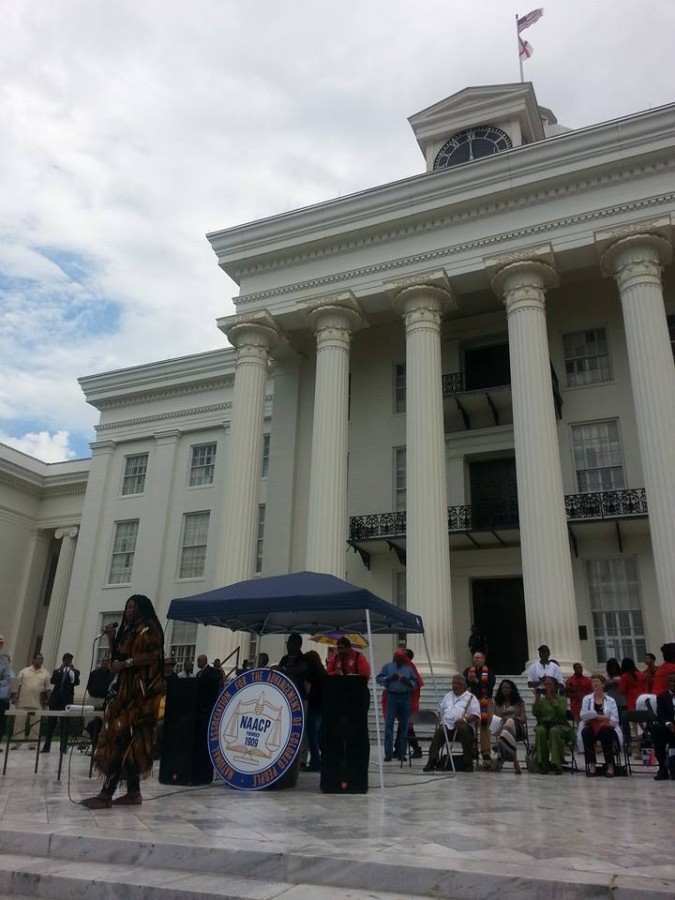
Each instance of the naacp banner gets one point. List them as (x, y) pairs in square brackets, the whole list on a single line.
[(256, 729)]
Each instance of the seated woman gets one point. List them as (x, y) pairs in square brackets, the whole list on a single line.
[(553, 729), (600, 718), (509, 707)]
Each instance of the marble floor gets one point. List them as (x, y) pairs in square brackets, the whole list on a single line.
[(564, 829)]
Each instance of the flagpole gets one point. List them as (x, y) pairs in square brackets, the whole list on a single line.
[(520, 58)]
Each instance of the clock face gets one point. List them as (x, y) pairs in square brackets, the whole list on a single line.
[(470, 144)]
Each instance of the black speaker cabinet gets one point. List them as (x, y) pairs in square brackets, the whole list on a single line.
[(345, 746), (184, 755)]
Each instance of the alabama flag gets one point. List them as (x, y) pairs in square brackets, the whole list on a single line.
[(524, 49)]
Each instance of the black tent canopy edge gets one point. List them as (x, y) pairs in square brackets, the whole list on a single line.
[(306, 602)]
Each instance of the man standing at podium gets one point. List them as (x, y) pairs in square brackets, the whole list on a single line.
[(347, 661)]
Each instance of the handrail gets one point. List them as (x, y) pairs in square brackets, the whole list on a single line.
[(501, 515)]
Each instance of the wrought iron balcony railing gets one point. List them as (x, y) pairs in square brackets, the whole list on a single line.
[(454, 384), (607, 504), (500, 516)]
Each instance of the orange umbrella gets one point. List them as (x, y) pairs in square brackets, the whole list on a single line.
[(332, 637)]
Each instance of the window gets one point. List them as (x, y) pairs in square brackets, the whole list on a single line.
[(616, 607), (586, 357), (193, 551), (399, 388), (183, 643), (266, 456), (597, 456), (399, 479), (671, 331), (260, 538), (135, 468), (124, 547), (102, 645), (202, 464)]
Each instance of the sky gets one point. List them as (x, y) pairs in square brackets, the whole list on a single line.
[(129, 130)]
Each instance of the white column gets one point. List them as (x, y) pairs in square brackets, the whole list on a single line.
[(550, 604), (57, 601), (253, 337), (160, 492), (428, 587), (635, 262), (81, 621), (333, 322)]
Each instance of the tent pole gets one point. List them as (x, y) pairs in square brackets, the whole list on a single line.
[(375, 699), (438, 705)]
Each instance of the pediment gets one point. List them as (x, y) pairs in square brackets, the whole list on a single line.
[(481, 105)]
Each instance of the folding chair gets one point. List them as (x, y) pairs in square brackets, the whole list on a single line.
[(424, 721), (522, 737), (620, 752)]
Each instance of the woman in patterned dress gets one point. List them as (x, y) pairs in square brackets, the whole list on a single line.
[(125, 748)]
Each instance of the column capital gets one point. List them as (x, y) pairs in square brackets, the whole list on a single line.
[(252, 334), (522, 284), (100, 448), (69, 531), (334, 319), (430, 292), (638, 254)]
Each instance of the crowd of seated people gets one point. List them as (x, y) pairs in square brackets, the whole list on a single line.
[(607, 710)]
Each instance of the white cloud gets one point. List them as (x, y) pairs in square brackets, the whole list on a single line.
[(130, 130), (44, 446), (18, 261)]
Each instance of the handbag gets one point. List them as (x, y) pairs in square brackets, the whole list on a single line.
[(598, 724)]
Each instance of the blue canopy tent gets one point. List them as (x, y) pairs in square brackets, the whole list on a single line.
[(306, 602)]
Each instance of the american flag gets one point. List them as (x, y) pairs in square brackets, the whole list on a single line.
[(529, 19), (524, 49)]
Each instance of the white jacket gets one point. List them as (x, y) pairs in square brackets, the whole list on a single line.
[(609, 709)]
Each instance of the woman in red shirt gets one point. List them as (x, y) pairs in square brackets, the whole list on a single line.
[(631, 683)]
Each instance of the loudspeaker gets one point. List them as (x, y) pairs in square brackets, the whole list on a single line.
[(345, 745), (184, 753)]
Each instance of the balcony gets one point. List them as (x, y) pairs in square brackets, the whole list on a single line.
[(467, 405), (494, 525), (606, 505)]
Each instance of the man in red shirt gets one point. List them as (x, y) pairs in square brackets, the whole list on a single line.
[(577, 686), (347, 661)]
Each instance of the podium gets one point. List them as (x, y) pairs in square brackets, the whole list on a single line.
[(345, 745), (184, 757)]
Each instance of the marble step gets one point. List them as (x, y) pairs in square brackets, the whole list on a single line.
[(57, 879), (50, 864)]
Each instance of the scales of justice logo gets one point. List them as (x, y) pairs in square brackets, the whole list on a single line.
[(256, 728)]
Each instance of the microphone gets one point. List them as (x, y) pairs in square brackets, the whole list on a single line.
[(111, 625)]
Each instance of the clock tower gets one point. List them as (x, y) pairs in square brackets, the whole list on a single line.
[(479, 122)]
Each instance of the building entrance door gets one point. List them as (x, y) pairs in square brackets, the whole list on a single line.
[(499, 612)]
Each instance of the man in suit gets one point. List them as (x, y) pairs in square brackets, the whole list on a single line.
[(64, 680), (206, 674), (664, 733)]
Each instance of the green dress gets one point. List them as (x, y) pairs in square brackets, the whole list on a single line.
[(552, 732)]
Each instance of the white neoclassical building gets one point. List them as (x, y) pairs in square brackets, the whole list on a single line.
[(457, 390)]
